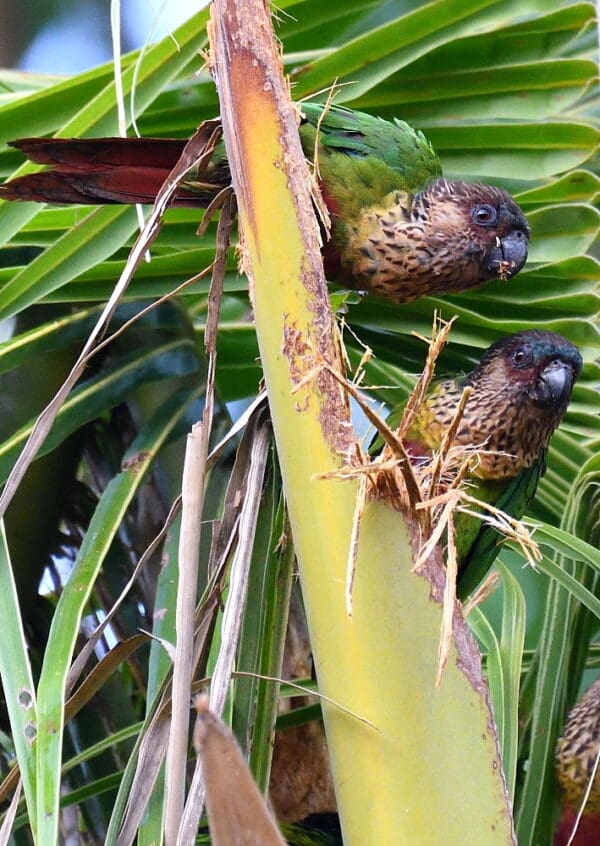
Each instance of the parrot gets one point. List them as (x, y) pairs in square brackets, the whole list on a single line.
[(576, 756), (399, 229), (521, 388)]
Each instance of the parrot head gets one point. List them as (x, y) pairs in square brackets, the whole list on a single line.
[(487, 223), (450, 237), (540, 367), (522, 385)]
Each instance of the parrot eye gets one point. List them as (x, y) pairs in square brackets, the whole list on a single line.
[(522, 357), (484, 215)]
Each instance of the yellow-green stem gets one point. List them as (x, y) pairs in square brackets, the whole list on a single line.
[(397, 779)]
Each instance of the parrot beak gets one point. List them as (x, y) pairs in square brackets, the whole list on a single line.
[(555, 384), (509, 254)]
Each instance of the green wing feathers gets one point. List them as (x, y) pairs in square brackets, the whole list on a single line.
[(357, 135), (478, 543)]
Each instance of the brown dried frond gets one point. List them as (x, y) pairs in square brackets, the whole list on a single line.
[(439, 520), (449, 603), (452, 479), (439, 337), (446, 486), (392, 474), (367, 354), (316, 196), (512, 529), (483, 592), (361, 504), (410, 473), (442, 509), (395, 445), (438, 465)]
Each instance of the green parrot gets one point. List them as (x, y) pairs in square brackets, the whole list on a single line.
[(576, 755), (399, 229), (521, 388)]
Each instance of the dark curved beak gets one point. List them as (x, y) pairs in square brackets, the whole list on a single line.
[(509, 254), (556, 384)]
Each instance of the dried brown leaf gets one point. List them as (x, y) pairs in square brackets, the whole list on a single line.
[(237, 812)]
